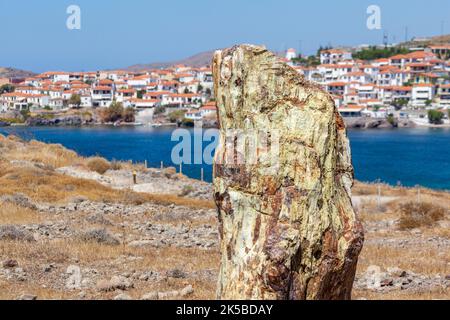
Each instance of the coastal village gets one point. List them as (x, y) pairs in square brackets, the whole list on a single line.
[(413, 86)]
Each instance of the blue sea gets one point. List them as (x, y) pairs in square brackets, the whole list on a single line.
[(410, 157)]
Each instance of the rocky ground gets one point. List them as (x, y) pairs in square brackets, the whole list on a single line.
[(67, 232)]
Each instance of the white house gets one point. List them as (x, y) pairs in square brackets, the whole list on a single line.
[(101, 96), (333, 56), (193, 115), (443, 94), (421, 93), (291, 54)]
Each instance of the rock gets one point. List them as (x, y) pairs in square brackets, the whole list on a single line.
[(287, 226), (27, 297), (150, 296), (396, 272), (186, 291), (387, 282), (176, 273), (59, 121), (122, 296), (168, 295), (73, 282), (116, 283), (10, 263), (48, 267)]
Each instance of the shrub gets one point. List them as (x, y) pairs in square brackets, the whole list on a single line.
[(100, 236), (435, 116), (113, 113), (116, 165), (176, 116), (186, 190), (159, 110), (419, 214), (12, 233), (128, 114), (98, 165)]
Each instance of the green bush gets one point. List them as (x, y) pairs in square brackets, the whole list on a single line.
[(176, 116), (435, 116)]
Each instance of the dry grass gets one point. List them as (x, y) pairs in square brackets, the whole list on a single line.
[(49, 186), (419, 214), (435, 294), (51, 155), (421, 259), (13, 214), (94, 255), (97, 164)]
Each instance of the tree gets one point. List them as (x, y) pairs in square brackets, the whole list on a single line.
[(208, 92), (199, 88), (114, 112), (159, 110), (25, 113), (7, 88), (399, 103), (128, 114), (140, 94), (428, 102), (186, 90), (435, 116), (75, 100), (176, 116), (391, 120), (373, 53)]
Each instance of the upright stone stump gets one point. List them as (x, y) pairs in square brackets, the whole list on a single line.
[(282, 183)]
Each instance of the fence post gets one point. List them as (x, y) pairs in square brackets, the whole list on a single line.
[(145, 164), (378, 195), (201, 174), (162, 165)]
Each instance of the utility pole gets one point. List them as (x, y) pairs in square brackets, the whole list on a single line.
[(385, 38)]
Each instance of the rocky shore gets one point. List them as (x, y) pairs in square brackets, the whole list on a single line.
[(371, 123)]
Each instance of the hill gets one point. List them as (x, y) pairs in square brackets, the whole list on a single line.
[(6, 72), (198, 60), (423, 42)]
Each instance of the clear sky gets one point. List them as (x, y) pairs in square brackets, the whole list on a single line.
[(117, 34)]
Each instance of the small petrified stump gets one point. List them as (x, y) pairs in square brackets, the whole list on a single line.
[(282, 179)]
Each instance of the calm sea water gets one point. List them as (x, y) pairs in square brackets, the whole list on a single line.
[(419, 156)]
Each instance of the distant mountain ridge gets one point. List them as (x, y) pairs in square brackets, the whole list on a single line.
[(198, 60), (6, 72)]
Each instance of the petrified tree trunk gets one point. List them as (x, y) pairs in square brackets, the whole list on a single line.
[(287, 226)]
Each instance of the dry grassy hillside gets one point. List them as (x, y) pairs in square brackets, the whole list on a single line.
[(77, 228)]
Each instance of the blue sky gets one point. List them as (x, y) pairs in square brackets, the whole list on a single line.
[(117, 34)]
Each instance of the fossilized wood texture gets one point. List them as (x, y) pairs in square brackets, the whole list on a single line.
[(291, 234)]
